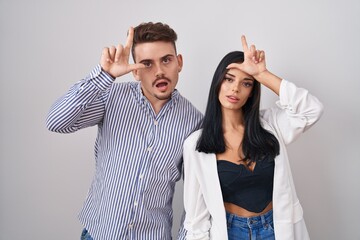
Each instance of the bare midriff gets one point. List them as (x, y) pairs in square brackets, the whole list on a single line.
[(242, 212)]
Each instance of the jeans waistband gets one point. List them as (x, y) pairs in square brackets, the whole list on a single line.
[(251, 222)]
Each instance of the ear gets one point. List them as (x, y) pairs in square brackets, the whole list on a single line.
[(136, 74), (180, 62)]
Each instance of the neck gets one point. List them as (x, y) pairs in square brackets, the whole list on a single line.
[(156, 102), (157, 105), (232, 120)]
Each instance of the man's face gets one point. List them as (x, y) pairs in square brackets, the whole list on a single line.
[(161, 72)]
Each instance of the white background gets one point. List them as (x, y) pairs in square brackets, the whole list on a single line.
[(46, 46)]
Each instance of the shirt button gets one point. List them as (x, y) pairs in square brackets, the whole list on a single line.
[(156, 123), (149, 149), (135, 203), (141, 176)]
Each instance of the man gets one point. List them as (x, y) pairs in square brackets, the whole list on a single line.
[(141, 129)]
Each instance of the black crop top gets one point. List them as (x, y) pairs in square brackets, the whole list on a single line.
[(251, 190)]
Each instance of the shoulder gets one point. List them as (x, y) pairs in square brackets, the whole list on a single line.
[(191, 140), (125, 85), (184, 102), (123, 88), (190, 114)]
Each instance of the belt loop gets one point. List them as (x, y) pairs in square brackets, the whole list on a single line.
[(263, 220), (230, 219)]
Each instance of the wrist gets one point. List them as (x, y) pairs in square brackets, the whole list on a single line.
[(260, 74), (106, 71), (269, 80)]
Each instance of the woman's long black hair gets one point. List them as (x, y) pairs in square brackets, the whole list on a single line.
[(257, 142)]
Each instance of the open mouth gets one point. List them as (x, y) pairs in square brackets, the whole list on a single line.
[(162, 85)]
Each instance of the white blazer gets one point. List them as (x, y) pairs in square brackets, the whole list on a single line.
[(205, 213)]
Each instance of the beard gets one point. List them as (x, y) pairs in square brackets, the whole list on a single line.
[(162, 98)]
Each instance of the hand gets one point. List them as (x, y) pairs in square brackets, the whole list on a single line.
[(254, 60), (115, 61)]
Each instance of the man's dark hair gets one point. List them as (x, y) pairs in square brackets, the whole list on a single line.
[(153, 32)]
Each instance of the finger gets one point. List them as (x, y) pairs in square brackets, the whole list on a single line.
[(130, 38), (253, 53), (253, 48), (261, 56), (119, 50), (106, 55), (112, 51), (257, 55), (129, 42), (244, 43)]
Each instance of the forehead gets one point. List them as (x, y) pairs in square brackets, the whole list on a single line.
[(153, 50), (238, 73)]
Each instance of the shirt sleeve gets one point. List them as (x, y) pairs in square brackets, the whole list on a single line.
[(83, 105), (197, 217), (297, 111), (182, 232)]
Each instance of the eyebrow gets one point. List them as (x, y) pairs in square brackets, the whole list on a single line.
[(150, 60), (167, 55), (246, 78)]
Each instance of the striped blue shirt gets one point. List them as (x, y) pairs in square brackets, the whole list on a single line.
[(138, 155)]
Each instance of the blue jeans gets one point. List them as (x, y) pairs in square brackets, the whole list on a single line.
[(85, 235), (253, 228)]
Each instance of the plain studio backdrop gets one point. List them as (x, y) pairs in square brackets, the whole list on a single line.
[(46, 46)]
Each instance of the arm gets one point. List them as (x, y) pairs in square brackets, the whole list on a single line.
[(299, 109), (197, 217), (84, 104)]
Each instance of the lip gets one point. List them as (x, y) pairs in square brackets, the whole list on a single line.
[(162, 84), (232, 98)]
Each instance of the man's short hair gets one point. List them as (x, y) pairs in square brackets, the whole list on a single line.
[(153, 32)]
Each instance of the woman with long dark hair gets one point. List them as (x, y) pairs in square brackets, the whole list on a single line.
[(237, 177)]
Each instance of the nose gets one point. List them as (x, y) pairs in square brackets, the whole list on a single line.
[(236, 87), (159, 71)]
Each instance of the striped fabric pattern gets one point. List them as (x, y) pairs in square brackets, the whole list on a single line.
[(138, 155)]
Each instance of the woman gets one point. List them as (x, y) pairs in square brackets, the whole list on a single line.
[(237, 179)]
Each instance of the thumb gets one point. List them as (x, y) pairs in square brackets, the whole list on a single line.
[(136, 66), (234, 65)]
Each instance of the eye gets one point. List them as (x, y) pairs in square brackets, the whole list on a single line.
[(248, 84), (228, 79), (166, 60), (147, 64)]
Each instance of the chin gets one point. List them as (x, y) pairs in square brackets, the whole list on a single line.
[(163, 96)]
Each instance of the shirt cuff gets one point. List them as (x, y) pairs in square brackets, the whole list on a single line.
[(285, 94), (101, 79)]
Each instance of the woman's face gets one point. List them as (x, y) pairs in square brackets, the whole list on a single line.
[(235, 89)]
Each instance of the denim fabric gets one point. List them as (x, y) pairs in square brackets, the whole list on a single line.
[(85, 235), (253, 228)]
